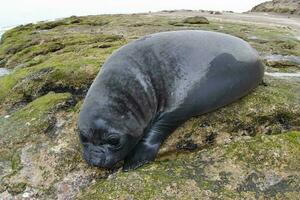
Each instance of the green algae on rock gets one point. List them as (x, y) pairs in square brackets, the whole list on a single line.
[(279, 6), (73, 48), (71, 64), (53, 64), (238, 170), (196, 20), (31, 120), (250, 116)]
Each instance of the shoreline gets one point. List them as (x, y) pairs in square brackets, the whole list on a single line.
[(247, 16), (4, 29)]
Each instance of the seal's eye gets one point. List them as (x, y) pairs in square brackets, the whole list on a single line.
[(113, 140)]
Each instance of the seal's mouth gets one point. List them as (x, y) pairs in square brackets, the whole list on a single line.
[(97, 163), (97, 157), (94, 156)]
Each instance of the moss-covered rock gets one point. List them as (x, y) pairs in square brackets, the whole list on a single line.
[(35, 118), (47, 67), (279, 6), (196, 20), (52, 65), (262, 167), (75, 48)]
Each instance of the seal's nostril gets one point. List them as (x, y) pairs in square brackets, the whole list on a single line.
[(99, 151)]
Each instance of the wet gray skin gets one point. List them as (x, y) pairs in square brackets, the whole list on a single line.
[(147, 88)]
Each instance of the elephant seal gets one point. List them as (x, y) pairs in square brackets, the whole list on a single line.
[(147, 88)]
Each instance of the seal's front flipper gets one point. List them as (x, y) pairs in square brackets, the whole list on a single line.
[(142, 153), (146, 150)]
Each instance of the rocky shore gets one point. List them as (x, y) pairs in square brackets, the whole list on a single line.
[(279, 6), (247, 150)]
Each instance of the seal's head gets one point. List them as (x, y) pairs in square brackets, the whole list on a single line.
[(103, 145)]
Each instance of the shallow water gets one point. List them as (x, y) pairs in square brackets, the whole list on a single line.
[(1, 32), (277, 57), (253, 37), (3, 29), (4, 71), (279, 74)]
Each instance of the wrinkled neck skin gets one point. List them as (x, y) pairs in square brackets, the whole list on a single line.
[(103, 115), (112, 104), (102, 119), (116, 103)]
